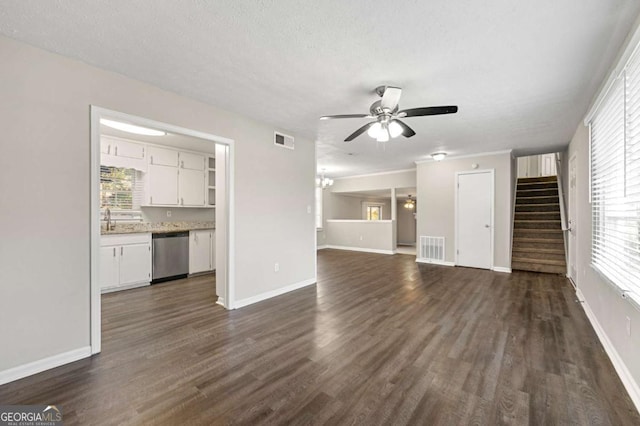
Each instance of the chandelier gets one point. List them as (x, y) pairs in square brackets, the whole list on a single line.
[(410, 203), (323, 181)]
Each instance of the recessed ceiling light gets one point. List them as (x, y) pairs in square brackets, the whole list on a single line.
[(438, 156), (130, 128)]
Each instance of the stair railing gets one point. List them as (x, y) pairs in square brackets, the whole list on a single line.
[(563, 214)]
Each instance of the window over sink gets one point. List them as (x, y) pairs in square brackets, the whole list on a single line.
[(121, 191)]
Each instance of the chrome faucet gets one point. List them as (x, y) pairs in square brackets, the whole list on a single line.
[(107, 217)]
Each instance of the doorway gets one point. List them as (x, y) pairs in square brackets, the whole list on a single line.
[(573, 173), (224, 243), (474, 219)]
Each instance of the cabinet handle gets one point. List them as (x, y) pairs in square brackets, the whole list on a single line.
[(109, 149), (182, 164), (151, 200), (114, 252), (182, 201), (195, 237), (116, 150), (151, 159), (121, 251)]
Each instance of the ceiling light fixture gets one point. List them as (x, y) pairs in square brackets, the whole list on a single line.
[(374, 130), (323, 181), (410, 203), (438, 156), (395, 129), (130, 128), (383, 135)]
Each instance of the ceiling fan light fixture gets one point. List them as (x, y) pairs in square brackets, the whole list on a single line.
[(438, 156), (374, 130), (395, 129), (410, 203), (383, 136)]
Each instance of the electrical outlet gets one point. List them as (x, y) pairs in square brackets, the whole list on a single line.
[(276, 267), (168, 213), (628, 326)]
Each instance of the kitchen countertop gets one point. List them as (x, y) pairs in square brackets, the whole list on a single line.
[(154, 228)]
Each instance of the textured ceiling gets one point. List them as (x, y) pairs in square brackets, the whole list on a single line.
[(522, 73)]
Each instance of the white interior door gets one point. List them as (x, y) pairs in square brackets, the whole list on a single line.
[(548, 165), (474, 224), (572, 218)]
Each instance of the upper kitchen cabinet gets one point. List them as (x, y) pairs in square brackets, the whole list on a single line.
[(163, 157), (176, 178), (118, 152)]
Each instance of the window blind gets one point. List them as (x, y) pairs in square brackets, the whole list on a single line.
[(615, 183), (121, 189)]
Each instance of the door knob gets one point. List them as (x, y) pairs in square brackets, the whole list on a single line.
[(486, 226)]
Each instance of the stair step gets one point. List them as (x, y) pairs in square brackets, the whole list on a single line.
[(538, 267), (553, 215), (540, 207), (537, 200), (538, 179), (537, 224), (548, 192), (555, 234), (537, 243), (538, 254), (537, 185)]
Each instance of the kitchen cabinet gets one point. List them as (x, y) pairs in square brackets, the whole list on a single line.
[(176, 178), (163, 156), (117, 152), (201, 251), (125, 261), (162, 187)]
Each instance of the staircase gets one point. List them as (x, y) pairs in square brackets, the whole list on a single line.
[(538, 240)]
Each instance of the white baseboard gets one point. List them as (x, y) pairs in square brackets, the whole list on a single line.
[(41, 365), (623, 372), (273, 293), (105, 290), (501, 269), (365, 250), (220, 301), (434, 262), (322, 247)]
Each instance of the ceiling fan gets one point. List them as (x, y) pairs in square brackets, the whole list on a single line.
[(387, 122)]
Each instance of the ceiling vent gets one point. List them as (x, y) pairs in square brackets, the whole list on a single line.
[(283, 140)]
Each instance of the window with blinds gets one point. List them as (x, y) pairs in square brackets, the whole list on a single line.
[(121, 189), (615, 183)]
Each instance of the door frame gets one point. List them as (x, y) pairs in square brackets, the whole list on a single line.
[(95, 308), (492, 173), (572, 248)]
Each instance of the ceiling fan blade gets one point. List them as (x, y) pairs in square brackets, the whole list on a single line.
[(331, 117), (407, 131), (360, 131), (391, 98), (419, 112)]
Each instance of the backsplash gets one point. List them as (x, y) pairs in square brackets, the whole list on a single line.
[(178, 214)]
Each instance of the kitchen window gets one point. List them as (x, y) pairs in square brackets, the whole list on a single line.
[(121, 191)]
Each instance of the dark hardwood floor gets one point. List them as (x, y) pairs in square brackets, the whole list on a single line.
[(380, 340)]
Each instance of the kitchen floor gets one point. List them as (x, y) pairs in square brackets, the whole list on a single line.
[(379, 340)]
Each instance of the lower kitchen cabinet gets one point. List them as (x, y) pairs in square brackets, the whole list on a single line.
[(125, 261), (202, 251)]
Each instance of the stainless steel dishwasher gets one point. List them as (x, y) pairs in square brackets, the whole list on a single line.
[(170, 256)]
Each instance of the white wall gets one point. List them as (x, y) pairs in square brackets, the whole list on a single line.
[(399, 179), (362, 234), (44, 253), (436, 192), (609, 310)]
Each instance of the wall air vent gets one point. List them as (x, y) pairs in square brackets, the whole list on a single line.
[(431, 249), (285, 141)]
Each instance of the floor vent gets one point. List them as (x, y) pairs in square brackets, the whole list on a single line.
[(285, 141), (431, 249)]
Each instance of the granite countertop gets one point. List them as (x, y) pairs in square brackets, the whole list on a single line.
[(154, 228)]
